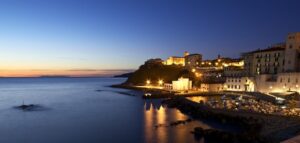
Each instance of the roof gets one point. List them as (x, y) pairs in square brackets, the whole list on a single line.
[(194, 55), (267, 50)]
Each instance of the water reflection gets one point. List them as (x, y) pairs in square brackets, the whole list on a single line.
[(198, 99), (157, 124), (203, 99)]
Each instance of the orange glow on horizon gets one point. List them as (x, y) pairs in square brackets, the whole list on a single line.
[(72, 73)]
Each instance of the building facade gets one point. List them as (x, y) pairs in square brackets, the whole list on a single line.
[(272, 70), (182, 84), (190, 60), (212, 87), (282, 82), (246, 84), (175, 61), (292, 55), (266, 61)]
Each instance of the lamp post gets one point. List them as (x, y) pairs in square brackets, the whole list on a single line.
[(148, 82), (160, 82)]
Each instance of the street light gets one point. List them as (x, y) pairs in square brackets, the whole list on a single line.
[(160, 82), (148, 82)]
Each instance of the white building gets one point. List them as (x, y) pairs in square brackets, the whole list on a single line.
[(240, 84), (275, 69), (182, 84), (283, 82)]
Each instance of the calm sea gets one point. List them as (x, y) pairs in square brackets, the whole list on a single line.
[(73, 110)]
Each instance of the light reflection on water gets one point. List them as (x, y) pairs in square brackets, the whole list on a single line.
[(204, 99), (156, 114)]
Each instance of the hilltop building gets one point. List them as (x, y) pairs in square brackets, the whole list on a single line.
[(189, 60), (175, 61)]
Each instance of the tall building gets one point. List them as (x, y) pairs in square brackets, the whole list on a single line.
[(276, 59), (266, 61), (292, 51), (275, 69)]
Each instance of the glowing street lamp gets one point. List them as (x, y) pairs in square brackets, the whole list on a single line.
[(148, 82), (193, 70), (160, 82)]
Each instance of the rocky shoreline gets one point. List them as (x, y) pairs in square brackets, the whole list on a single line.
[(256, 127)]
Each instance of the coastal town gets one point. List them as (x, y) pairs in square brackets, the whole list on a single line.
[(262, 84), (272, 73), (275, 69)]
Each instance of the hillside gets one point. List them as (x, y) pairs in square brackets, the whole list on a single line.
[(157, 71)]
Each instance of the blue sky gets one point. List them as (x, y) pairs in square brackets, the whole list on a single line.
[(122, 34)]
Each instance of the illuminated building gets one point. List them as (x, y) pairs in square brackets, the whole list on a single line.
[(282, 82), (266, 61), (272, 70), (182, 84), (175, 61), (220, 63), (278, 58), (191, 60)]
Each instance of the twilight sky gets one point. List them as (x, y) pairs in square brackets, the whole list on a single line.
[(103, 37)]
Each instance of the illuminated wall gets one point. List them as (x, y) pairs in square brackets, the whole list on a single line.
[(182, 84), (175, 61), (283, 82)]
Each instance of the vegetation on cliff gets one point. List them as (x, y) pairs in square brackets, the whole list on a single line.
[(158, 71)]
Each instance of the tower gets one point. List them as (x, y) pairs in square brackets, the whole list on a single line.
[(291, 61), (186, 53)]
